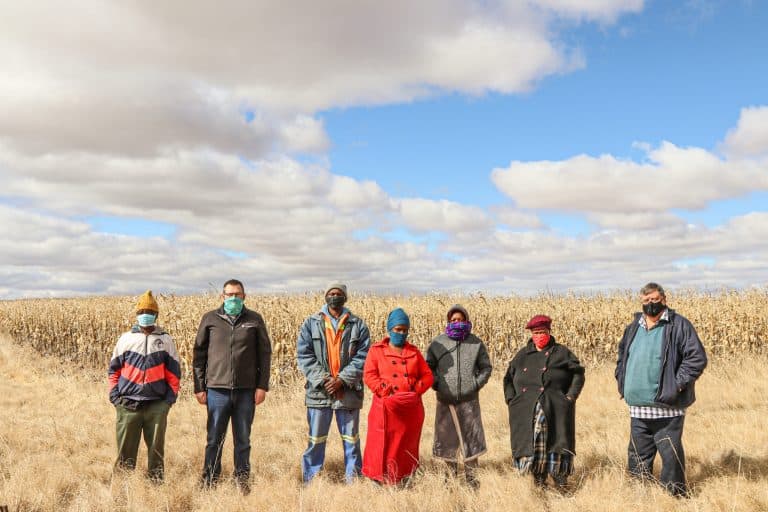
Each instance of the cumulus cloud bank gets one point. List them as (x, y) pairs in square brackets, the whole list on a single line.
[(198, 117)]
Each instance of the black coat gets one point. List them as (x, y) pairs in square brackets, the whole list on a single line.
[(549, 376)]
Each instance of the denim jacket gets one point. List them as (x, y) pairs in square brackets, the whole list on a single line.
[(312, 353)]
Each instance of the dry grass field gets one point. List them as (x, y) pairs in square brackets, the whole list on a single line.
[(57, 426)]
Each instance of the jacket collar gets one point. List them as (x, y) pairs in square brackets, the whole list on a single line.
[(157, 331)]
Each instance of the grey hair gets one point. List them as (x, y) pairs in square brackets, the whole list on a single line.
[(652, 287)]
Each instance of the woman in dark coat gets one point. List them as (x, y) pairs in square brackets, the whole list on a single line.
[(541, 386)]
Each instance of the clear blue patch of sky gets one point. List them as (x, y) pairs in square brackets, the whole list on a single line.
[(235, 255), (673, 72), (692, 262), (131, 226)]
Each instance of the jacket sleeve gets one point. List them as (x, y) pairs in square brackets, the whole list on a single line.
[(426, 379), (352, 373), (620, 361), (264, 348), (577, 371), (483, 366), (431, 360), (371, 375), (200, 356), (509, 387), (172, 372), (694, 358), (113, 372), (307, 359)]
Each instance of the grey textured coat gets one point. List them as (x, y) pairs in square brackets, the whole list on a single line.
[(460, 368)]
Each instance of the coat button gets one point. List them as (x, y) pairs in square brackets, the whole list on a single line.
[(403, 362), (405, 375), (394, 375), (546, 353), (525, 369), (525, 389), (395, 388), (394, 362), (544, 369), (383, 385), (541, 389)]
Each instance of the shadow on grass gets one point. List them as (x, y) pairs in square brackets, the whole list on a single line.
[(729, 464)]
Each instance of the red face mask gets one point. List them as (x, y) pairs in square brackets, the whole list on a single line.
[(541, 340)]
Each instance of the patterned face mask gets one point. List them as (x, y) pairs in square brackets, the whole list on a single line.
[(233, 305), (458, 330), (541, 340)]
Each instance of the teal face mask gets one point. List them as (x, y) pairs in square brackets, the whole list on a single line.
[(233, 305), (146, 319), (397, 339)]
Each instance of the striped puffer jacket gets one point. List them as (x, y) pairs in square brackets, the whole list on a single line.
[(144, 367)]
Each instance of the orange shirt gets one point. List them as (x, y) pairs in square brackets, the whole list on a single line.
[(386, 372)]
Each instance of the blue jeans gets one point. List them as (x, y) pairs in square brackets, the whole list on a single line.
[(319, 420), (223, 404)]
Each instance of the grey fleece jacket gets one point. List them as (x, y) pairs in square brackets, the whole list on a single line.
[(460, 368)]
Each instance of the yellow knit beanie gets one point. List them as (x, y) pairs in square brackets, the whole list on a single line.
[(147, 301)]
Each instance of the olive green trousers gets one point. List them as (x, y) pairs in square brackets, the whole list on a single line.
[(150, 421)]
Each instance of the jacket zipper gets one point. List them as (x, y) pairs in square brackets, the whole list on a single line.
[(667, 342), (458, 366), (231, 354), (146, 356)]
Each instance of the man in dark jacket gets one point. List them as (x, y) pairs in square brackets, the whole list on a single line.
[(231, 364), (660, 358)]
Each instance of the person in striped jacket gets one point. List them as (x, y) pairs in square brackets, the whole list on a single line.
[(143, 384)]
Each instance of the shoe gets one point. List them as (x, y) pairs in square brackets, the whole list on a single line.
[(243, 484)]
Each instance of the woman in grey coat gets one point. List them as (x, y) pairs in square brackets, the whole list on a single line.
[(461, 366)]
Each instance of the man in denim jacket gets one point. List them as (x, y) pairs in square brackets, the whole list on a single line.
[(332, 347)]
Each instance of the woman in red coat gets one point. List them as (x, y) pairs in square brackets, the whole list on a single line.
[(398, 375)]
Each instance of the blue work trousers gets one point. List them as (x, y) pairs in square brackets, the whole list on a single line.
[(319, 420)]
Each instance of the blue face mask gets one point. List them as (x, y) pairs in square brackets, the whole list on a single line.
[(397, 339), (233, 305), (146, 319)]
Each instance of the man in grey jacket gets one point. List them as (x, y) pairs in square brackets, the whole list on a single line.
[(332, 346), (461, 366), (231, 364)]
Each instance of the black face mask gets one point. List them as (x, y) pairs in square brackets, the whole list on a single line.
[(653, 308), (335, 301)]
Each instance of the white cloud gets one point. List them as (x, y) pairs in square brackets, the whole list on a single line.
[(674, 177), (750, 136), (143, 77), (516, 218), (425, 215), (599, 10)]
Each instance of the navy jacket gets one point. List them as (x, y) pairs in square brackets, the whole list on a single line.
[(683, 361)]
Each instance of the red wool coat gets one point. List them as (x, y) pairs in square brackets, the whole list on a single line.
[(397, 414), (387, 372)]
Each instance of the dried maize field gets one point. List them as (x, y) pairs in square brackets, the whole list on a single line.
[(57, 430), (83, 330)]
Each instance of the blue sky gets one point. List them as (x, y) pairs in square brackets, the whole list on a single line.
[(456, 145)]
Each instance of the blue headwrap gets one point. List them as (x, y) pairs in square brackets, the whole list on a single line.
[(397, 317)]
